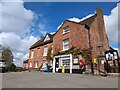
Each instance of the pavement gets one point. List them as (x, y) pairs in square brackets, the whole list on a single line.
[(55, 80)]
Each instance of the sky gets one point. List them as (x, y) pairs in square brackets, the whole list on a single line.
[(22, 23)]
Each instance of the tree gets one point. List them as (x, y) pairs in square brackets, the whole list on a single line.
[(8, 57), (49, 54), (12, 67)]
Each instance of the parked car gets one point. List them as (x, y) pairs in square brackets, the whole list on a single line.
[(2, 66)]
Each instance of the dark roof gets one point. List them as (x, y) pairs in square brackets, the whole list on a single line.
[(111, 50), (40, 42), (26, 61), (89, 20)]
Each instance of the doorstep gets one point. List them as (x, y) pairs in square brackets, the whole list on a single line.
[(114, 74)]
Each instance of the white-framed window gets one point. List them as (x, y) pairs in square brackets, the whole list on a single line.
[(36, 64), (30, 64), (45, 51), (46, 38), (32, 53), (65, 62), (65, 44), (75, 60), (26, 66), (66, 30)]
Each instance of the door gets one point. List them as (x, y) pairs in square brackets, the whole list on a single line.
[(57, 65)]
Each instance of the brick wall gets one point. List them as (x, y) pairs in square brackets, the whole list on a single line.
[(75, 36), (78, 35), (38, 55), (25, 65)]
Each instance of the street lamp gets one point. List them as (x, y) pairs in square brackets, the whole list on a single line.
[(90, 47)]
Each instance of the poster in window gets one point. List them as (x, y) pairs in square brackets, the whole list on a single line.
[(75, 60)]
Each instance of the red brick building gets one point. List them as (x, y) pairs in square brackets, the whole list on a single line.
[(25, 65), (38, 51), (89, 33)]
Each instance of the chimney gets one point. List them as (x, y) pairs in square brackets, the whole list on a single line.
[(101, 26), (103, 40)]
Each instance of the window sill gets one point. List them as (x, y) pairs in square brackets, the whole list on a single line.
[(44, 55), (65, 49), (36, 67), (65, 33)]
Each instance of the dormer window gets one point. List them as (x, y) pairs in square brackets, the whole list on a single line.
[(66, 30), (46, 38)]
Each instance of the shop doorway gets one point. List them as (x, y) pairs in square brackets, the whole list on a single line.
[(57, 65), (62, 60)]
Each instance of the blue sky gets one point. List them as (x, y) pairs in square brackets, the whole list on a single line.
[(24, 22), (56, 13)]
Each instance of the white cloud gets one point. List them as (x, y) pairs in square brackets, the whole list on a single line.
[(15, 18), (41, 28), (17, 44), (21, 58), (27, 42), (111, 25), (17, 55), (15, 23), (10, 40)]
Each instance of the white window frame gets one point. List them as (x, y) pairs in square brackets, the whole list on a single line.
[(65, 44), (75, 60), (36, 64), (45, 51), (32, 54), (46, 38), (26, 66), (66, 30), (30, 64), (65, 62)]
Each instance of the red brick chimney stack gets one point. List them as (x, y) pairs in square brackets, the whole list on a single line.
[(101, 27), (103, 39)]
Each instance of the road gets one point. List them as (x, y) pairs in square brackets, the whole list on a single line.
[(56, 80)]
